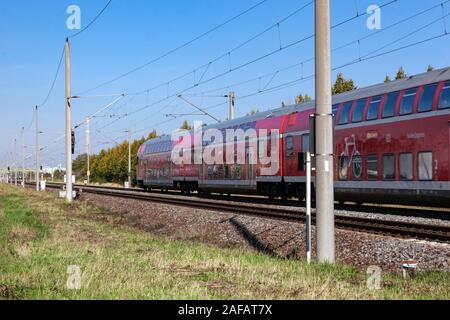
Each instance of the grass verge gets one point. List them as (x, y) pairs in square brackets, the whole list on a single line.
[(41, 236)]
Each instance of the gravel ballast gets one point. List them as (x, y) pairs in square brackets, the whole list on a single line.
[(274, 237)]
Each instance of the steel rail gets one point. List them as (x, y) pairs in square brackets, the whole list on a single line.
[(398, 229)]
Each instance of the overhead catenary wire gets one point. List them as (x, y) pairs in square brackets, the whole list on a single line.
[(241, 66), (348, 44), (310, 77), (368, 57), (236, 68), (260, 3), (92, 22)]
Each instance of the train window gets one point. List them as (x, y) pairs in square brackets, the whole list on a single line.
[(406, 166), (359, 110), (426, 100), (374, 108), (389, 106), (345, 113), (372, 167), (388, 167), (425, 162), (444, 100), (289, 146), (335, 109), (305, 143), (406, 107)]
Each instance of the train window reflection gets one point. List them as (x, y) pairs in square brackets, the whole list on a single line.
[(359, 110), (335, 109), (345, 114), (426, 101), (444, 100), (372, 167), (305, 143), (406, 166), (425, 162), (389, 167), (374, 107), (289, 146), (389, 106), (407, 104)]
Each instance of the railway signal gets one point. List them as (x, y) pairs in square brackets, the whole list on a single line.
[(72, 141)]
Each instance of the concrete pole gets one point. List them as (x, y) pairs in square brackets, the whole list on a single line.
[(231, 96), (326, 248), (37, 150), (23, 157), (88, 149), (69, 188), (129, 158), (15, 162)]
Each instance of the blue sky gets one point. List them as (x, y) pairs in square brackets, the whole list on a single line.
[(133, 32)]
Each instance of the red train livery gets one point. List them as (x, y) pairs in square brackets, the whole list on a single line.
[(391, 146)]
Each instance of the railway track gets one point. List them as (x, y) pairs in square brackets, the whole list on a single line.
[(373, 226)]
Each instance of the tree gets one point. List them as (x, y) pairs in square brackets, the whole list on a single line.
[(58, 175), (343, 85), (186, 126), (400, 74), (152, 135), (387, 79), (430, 68), (302, 99), (112, 165), (79, 167)]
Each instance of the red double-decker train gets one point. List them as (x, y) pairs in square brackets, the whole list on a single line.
[(391, 146)]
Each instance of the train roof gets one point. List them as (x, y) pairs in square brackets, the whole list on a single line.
[(159, 139), (371, 91)]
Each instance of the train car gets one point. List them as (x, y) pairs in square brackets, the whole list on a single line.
[(391, 146), (391, 143), (154, 169)]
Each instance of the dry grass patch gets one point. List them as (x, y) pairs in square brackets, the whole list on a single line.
[(120, 262)]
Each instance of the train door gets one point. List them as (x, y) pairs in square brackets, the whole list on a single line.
[(169, 161), (145, 171), (250, 165), (290, 162), (448, 148)]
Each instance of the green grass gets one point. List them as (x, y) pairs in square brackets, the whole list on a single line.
[(40, 236)]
